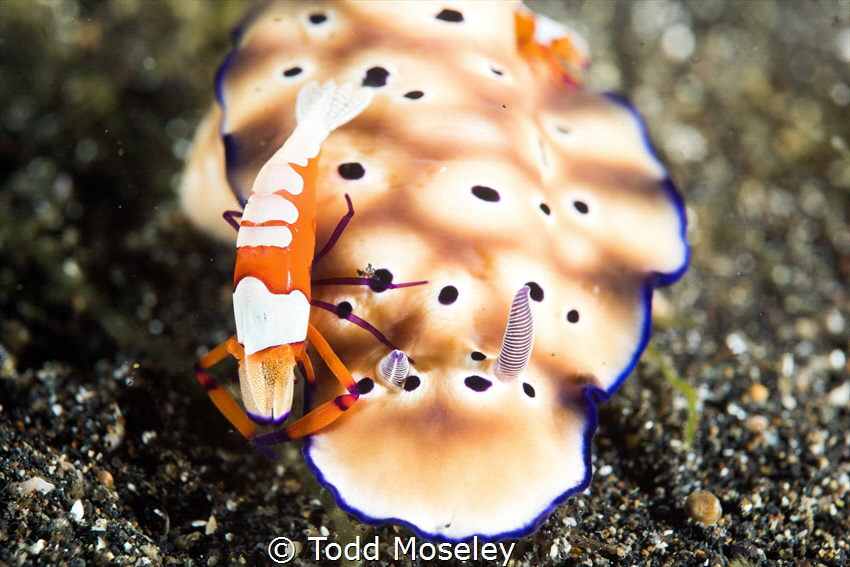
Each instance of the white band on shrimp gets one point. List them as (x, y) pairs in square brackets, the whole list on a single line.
[(264, 208), (259, 314), (277, 236)]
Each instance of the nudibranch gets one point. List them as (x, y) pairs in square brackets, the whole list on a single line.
[(536, 213)]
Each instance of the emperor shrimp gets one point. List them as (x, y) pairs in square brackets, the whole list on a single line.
[(271, 297)]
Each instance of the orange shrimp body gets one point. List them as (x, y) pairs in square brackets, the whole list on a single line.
[(274, 252), (283, 269), (271, 284)]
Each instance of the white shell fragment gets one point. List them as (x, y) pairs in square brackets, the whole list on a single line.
[(77, 510), (34, 484), (480, 169)]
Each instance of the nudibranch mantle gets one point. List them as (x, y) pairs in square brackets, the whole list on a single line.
[(482, 168)]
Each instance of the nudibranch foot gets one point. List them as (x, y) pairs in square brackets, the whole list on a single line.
[(485, 482)]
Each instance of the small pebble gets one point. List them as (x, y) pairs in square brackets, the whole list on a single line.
[(758, 393), (839, 396), (77, 510), (757, 424), (33, 484), (106, 479), (211, 526), (704, 507), (38, 547)]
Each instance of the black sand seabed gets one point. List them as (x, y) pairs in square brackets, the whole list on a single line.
[(107, 296)]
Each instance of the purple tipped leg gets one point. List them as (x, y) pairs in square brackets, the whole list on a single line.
[(230, 217), (343, 222)]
